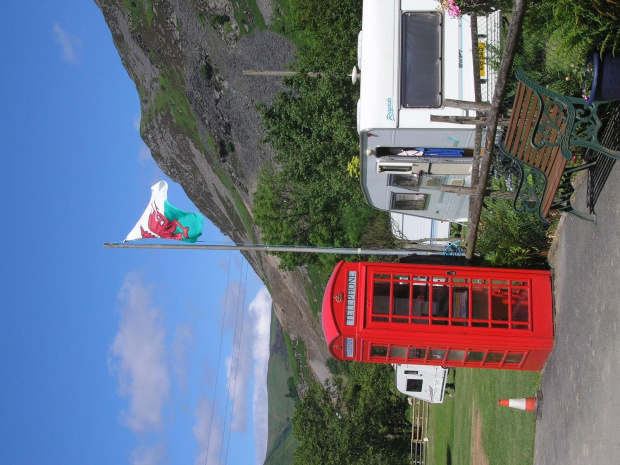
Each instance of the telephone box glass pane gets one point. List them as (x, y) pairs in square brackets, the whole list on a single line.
[(417, 353), (520, 306), (436, 354), (460, 302), (378, 351), (480, 305), (420, 303), (499, 306), (456, 355), (441, 303), (495, 357), (381, 298), (514, 358), (398, 352), (475, 356), (401, 298)]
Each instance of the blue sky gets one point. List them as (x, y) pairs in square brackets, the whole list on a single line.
[(109, 356)]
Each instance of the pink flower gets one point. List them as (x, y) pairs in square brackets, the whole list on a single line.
[(453, 9)]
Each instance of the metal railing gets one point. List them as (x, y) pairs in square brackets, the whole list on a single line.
[(419, 431), (489, 35)]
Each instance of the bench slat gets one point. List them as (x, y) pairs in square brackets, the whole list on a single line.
[(553, 181)]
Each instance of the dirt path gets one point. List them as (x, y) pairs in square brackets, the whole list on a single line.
[(477, 454)]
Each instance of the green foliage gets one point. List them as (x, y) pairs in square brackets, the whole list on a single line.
[(588, 24), (340, 367), (582, 24), (211, 143), (359, 420), (247, 16), (240, 211), (508, 238), (141, 12), (310, 199), (315, 287), (353, 167), (332, 366), (558, 35), (219, 19), (292, 389), (332, 27), (171, 98), (206, 70), (483, 7), (282, 23)]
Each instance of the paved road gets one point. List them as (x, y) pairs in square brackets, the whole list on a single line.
[(581, 381)]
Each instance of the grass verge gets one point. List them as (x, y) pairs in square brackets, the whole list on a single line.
[(506, 435)]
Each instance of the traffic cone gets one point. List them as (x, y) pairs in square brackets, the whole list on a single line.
[(530, 404)]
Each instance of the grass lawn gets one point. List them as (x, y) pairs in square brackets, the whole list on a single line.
[(471, 426)]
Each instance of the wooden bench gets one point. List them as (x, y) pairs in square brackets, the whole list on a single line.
[(543, 128)]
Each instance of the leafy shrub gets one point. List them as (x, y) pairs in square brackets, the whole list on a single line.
[(508, 238), (220, 20)]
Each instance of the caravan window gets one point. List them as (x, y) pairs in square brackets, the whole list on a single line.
[(421, 56), (401, 166), (409, 201), (410, 182), (414, 385)]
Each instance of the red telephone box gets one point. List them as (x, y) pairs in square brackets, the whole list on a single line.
[(458, 316)]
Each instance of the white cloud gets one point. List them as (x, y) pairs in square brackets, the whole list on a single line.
[(252, 361), (239, 363), (239, 372), (139, 358), (71, 45), (208, 433), (260, 308), (182, 344), (148, 455), (232, 301)]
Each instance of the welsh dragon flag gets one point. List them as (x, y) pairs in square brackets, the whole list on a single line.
[(162, 220)]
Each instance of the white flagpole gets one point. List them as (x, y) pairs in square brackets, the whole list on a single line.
[(272, 248)]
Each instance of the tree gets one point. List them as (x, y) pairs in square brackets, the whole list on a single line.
[(359, 420), (332, 27)]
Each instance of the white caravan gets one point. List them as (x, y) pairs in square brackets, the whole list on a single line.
[(411, 59), (425, 382)]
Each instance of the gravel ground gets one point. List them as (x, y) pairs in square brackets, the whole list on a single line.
[(581, 410)]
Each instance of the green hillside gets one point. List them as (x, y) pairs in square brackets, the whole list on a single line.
[(280, 443)]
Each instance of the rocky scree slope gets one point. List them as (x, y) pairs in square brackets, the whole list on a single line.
[(199, 120)]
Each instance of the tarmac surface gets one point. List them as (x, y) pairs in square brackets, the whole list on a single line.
[(581, 381)]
